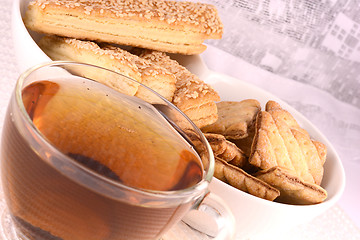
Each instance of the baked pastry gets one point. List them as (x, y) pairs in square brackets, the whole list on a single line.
[(153, 76), (226, 150), (235, 119), (116, 59), (243, 181), (292, 189), (279, 141), (192, 95), (169, 26)]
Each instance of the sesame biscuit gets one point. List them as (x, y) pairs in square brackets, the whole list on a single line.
[(169, 26), (116, 59), (153, 76), (193, 96), (59, 48)]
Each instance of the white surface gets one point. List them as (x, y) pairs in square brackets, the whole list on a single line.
[(334, 223)]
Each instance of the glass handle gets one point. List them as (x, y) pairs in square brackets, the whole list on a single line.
[(213, 218)]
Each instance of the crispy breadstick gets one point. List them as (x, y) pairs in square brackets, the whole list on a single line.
[(169, 26)]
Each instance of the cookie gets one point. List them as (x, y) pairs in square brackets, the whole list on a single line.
[(226, 150), (234, 118), (293, 190), (243, 181), (279, 141)]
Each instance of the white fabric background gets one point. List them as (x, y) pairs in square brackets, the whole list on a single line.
[(333, 106)]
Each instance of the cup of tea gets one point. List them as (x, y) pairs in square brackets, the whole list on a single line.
[(80, 160)]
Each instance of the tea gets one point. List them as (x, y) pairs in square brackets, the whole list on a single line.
[(128, 136), (113, 135)]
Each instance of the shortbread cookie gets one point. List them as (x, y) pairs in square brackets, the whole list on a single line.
[(217, 142), (169, 26), (234, 118), (116, 59), (279, 141), (279, 113), (245, 143), (192, 95), (321, 149), (293, 190), (226, 150), (314, 159), (243, 181)]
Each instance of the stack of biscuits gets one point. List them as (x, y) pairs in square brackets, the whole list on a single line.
[(272, 156), (263, 152)]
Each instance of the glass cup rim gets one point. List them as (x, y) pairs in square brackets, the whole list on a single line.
[(200, 186)]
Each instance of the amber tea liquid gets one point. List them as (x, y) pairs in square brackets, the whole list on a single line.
[(115, 137)]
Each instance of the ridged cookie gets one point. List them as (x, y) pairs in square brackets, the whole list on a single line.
[(279, 141)]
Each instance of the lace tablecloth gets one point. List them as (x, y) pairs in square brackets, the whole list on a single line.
[(325, 104)]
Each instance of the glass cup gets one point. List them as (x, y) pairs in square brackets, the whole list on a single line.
[(52, 195)]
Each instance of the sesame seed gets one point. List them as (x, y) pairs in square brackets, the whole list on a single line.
[(188, 85)]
